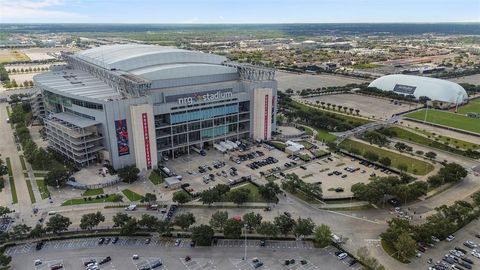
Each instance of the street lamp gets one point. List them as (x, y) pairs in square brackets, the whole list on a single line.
[(245, 243)]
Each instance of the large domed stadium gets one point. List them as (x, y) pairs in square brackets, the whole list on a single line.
[(441, 92)]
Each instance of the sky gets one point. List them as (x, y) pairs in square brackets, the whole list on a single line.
[(238, 11)]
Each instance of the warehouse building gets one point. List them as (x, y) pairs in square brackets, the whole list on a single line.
[(442, 94), (136, 104)]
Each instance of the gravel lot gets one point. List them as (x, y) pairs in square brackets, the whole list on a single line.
[(368, 106), (301, 81)]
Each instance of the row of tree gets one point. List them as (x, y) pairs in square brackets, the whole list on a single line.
[(203, 234), (14, 84), (326, 105), (29, 69), (404, 237), (293, 184), (379, 189)]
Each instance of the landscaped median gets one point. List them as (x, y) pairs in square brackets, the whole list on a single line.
[(448, 119), (413, 165), (11, 181), (97, 199), (131, 195)]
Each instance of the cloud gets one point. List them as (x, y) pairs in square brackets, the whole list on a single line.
[(191, 20), (32, 10)]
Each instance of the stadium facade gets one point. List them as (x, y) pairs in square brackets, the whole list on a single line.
[(442, 93), (136, 104)]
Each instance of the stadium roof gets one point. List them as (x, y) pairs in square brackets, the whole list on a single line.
[(130, 57), (435, 89)]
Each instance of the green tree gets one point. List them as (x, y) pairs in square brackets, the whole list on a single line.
[(209, 196), (218, 220), (163, 227), (268, 229), (184, 220), (233, 229), (322, 236), (128, 174), (129, 228), (4, 211), (239, 195), (57, 224), (476, 198), (120, 219), (303, 227), (150, 197), (148, 221), (38, 231), (402, 167), (385, 161), (252, 220), (5, 260), (284, 223), (371, 156), (91, 220), (20, 230), (269, 191), (202, 235), (431, 155), (181, 197), (405, 245), (56, 177)]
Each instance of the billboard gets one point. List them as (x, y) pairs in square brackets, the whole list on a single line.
[(122, 137)]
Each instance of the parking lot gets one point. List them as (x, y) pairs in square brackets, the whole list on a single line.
[(368, 106), (226, 254), (339, 172), (189, 166), (440, 250)]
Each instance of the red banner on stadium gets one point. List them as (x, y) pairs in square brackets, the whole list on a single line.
[(265, 128), (146, 137)]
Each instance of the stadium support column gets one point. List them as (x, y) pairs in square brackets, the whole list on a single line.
[(262, 113), (143, 130)]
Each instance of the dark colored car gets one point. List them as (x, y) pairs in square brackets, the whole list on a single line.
[(39, 245), (262, 243), (467, 260), (105, 260), (101, 240), (115, 240), (352, 262)]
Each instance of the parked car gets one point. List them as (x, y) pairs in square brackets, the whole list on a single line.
[(450, 238), (115, 240), (91, 261), (101, 240), (105, 260), (342, 256)]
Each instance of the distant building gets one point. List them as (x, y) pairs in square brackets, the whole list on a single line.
[(442, 93)]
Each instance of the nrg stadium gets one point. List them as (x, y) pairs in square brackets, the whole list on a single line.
[(136, 104)]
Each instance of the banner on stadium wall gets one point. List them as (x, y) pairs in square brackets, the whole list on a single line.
[(122, 137)]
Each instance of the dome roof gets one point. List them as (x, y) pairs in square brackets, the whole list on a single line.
[(435, 89)]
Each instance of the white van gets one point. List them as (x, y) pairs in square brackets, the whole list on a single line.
[(51, 213), (131, 207)]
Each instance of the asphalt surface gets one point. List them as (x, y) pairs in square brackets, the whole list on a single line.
[(73, 253)]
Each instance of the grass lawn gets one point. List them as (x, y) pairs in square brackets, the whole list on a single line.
[(132, 196), (299, 194), (39, 174), (417, 138), (306, 144), (452, 141), (415, 166), (22, 161), (271, 177), (11, 181), (449, 119), (319, 153), (8, 56), (472, 106), (30, 192), (254, 196), (155, 178), (307, 130), (111, 198), (93, 192), (279, 145), (42, 188), (323, 135)]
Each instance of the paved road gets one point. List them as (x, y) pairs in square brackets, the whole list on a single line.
[(8, 149)]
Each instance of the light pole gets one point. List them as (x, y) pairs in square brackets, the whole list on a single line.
[(245, 243)]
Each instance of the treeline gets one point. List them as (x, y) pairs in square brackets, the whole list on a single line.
[(403, 238), (39, 158), (202, 234), (313, 117), (293, 184), (405, 187), (25, 70), (387, 94)]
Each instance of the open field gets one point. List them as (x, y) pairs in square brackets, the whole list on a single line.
[(155, 178), (76, 201), (368, 106), (454, 142), (472, 107), (131, 195), (44, 53), (301, 81), (323, 135), (8, 56), (93, 192), (415, 166), (42, 188), (447, 119), (472, 79)]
